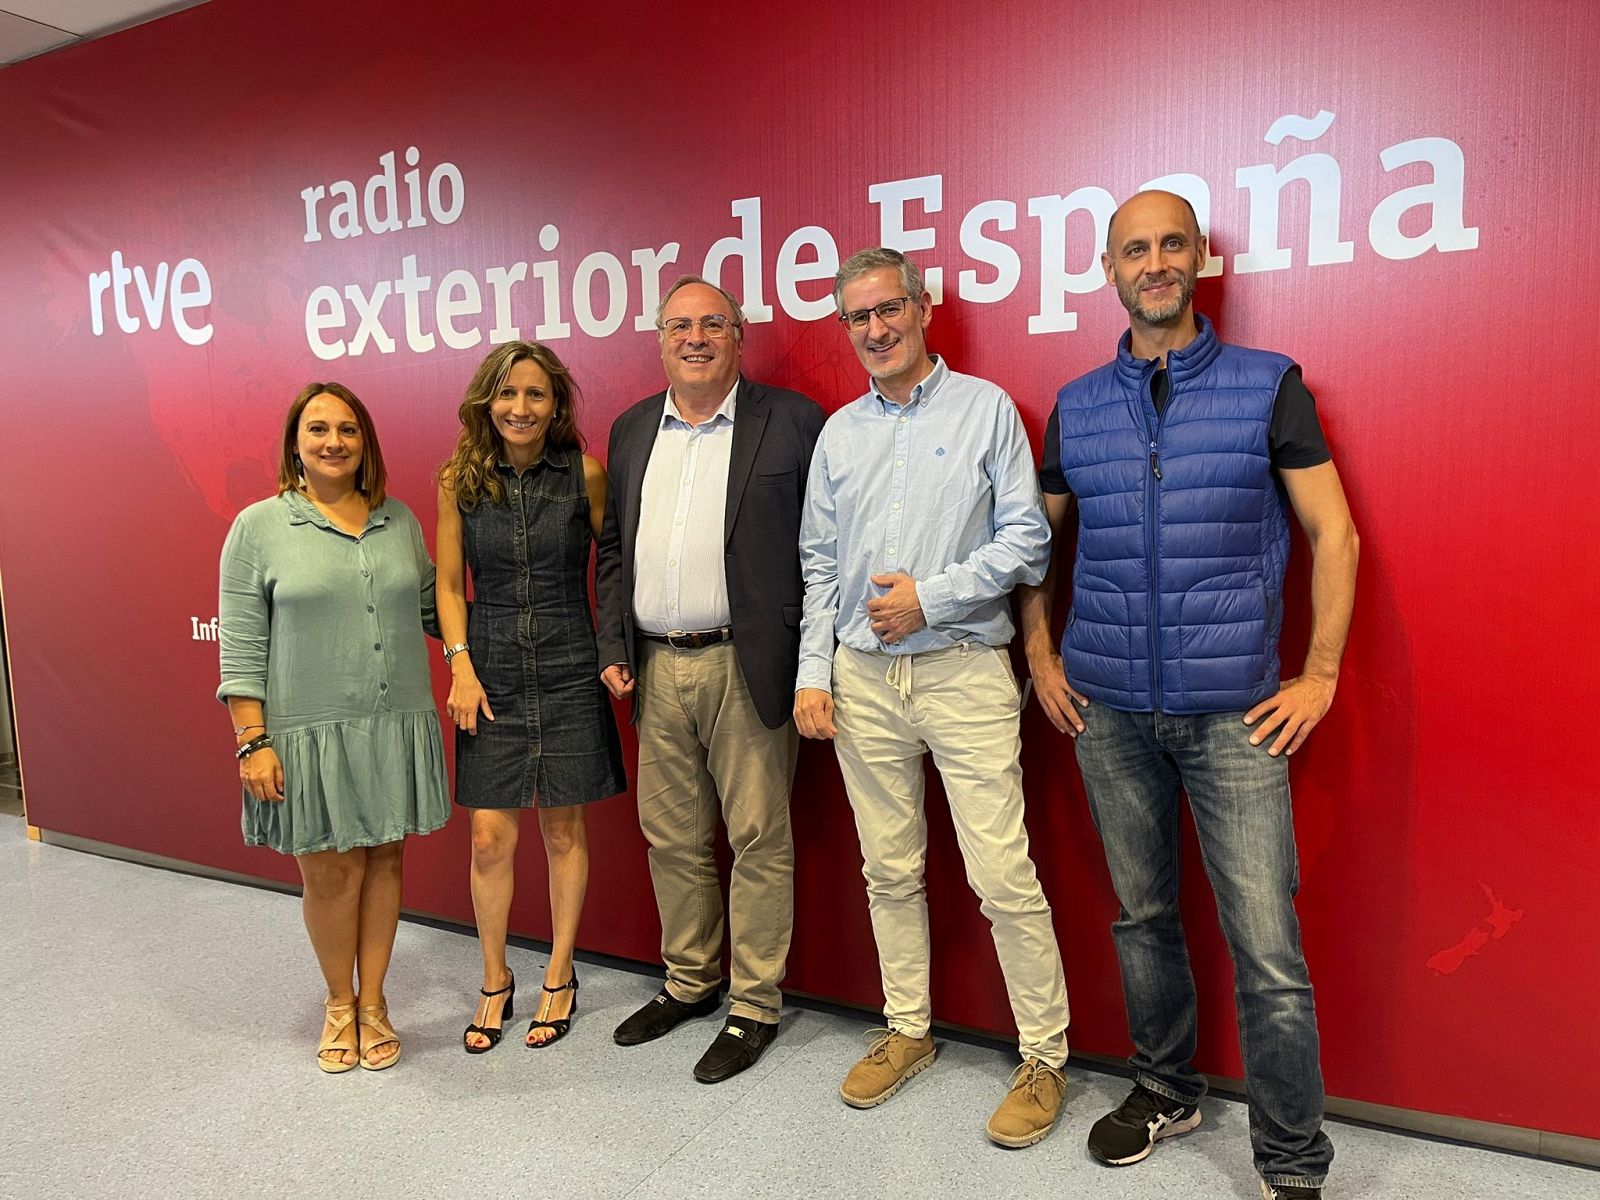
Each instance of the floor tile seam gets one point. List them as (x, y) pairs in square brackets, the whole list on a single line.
[(734, 1101), (677, 1150)]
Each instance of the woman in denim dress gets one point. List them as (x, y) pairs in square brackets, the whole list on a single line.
[(520, 503), (326, 591)]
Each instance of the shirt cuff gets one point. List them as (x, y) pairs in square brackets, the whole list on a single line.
[(937, 599), (244, 689), (815, 673)]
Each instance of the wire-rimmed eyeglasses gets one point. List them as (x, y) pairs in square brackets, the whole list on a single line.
[(714, 326), (887, 311)]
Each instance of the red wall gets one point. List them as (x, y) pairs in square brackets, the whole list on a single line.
[(1448, 827)]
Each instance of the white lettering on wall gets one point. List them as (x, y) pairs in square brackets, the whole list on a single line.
[(823, 263), (447, 193), (1063, 243), (891, 199), (1447, 230), (745, 246), (1321, 174), (1007, 263), (1056, 280), (178, 290)]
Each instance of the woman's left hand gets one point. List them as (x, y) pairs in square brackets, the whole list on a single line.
[(466, 698), (262, 775)]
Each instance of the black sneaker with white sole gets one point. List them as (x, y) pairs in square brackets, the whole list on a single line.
[(1129, 1132), (1281, 1191)]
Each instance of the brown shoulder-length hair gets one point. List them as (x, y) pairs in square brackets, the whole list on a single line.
[(372, 480), (470, 470)]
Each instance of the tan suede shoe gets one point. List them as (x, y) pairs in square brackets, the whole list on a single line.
[(891, 1059), (1031, 1107)]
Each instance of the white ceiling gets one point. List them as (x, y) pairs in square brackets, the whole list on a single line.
[(32, 27)]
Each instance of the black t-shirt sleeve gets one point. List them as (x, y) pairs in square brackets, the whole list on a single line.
[(1295, 436), (1051, 480)]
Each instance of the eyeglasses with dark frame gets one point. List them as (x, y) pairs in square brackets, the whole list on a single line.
[(887, 311), (715, 326)]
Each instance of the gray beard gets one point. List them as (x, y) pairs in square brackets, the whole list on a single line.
[(1166, 314)]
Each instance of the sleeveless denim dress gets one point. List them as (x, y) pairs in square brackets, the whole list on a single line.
[(553, 741)]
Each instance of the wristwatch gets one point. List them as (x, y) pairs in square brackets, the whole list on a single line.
[(451, 651)]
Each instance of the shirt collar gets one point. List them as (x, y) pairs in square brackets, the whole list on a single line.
[(670, 413), (303, 512), (920, 394), (559, 461)]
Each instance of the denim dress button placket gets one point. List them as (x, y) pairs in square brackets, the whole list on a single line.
[(528, 634)]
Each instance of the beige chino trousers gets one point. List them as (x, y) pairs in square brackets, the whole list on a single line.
[(961, 704), (703, 749)]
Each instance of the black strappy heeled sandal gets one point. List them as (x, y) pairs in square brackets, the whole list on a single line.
[(560, 1026), (494, 1035)]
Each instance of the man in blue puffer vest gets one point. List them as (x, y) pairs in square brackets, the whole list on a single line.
[(1181, 457)]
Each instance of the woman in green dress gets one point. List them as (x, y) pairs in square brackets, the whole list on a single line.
[(326, 590)]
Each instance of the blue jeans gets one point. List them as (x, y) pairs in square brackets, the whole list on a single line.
[(1133, 765)]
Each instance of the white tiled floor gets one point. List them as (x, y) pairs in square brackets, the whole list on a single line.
[(159, 1040)]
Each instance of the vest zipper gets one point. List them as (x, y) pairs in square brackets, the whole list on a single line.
[(1153, 532), (1152, 492)]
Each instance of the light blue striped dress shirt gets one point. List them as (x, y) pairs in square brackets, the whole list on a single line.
[(943, 489)]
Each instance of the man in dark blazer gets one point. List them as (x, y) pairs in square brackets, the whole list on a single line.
[(699, 596)]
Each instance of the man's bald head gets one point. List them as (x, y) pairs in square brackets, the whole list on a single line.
[(1152, 206), (1154, 253)]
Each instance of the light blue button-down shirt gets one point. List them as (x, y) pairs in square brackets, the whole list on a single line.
[(942, 488)]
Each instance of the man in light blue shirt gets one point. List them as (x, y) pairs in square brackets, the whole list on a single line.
[(922, 514)]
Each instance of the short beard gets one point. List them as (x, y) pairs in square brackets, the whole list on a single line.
[(1166, 314), (883, 370)]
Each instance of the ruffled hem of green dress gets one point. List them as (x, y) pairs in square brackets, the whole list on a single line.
[(362, 782)]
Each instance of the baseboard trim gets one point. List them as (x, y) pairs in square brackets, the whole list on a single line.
[(1536, 1143)]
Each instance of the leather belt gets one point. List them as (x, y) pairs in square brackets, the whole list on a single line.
[(681, 639)]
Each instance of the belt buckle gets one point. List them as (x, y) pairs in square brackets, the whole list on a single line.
[(683, 639)]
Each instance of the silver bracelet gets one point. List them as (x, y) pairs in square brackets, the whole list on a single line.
[(451, 651)]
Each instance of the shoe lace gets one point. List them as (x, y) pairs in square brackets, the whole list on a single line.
[(1028, 1075), (877, 1040), (1141, 1105)]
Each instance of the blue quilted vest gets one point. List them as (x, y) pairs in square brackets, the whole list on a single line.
[(1177, 592)]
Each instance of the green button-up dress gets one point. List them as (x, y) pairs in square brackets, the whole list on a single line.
[(327, 631)]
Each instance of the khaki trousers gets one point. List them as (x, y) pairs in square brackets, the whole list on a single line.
[(703, 748), (963, 705)]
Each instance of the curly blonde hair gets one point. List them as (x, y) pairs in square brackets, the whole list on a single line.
[(470, 470)]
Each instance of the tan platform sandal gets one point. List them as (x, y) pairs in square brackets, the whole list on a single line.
[(341, 1018), (376, 1018)]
